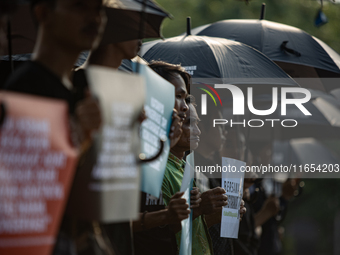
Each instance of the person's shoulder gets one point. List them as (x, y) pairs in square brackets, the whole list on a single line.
[(26, 78), (170, 167)]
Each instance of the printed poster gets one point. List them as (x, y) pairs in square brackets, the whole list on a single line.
[(186, 187), (232, 182), (37, 165), (107, 183), (159, 105)]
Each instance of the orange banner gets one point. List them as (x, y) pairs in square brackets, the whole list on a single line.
[(37, 165)]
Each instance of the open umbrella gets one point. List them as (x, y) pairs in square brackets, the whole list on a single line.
[(323, 123), (295, 51), (303, 151), (127, 20), (217, 60), (307, 153), (124, 18)]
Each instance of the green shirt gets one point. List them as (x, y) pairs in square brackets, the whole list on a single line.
[(201, 242)]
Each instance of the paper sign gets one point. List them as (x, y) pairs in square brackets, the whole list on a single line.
[(186, 187), (159, 105), (107, 184), (202, 181), (232, 182), (37, 164)]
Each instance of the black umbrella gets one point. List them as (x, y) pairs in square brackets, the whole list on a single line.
[(305, 154), (323, 123), (217, 60), (123, 24), (295, 51), (303, 151), (125, 18)]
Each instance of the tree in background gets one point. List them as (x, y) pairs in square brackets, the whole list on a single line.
[(300, 14)]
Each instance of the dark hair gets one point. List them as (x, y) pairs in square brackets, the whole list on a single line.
[(49, 2), (191, 100), (7, 6), (167, 71)]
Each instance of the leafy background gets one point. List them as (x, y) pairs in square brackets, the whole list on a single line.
[(298, 13)]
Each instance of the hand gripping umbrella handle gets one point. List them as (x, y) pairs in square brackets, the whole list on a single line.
[(142, 158), (289, 50)]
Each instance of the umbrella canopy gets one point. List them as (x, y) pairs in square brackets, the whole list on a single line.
[(217, 60), (295, 51), (124, 18), (302, 151), (307, 158), (323, 123)]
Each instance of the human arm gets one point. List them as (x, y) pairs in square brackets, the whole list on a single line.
[(176, 211), (87, 118), (269, 209), (212, 201)]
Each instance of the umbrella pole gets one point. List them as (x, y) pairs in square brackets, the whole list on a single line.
[(263, 11), (188, 25), (141, 28), (9, 40)]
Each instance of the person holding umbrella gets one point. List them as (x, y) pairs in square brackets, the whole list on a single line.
[(65, 28), (112, 50)]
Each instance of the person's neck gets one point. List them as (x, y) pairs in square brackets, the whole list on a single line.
[(178, 153), (205, 151), (107, 55), (58, 59)]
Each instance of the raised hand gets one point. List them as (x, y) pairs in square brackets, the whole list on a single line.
[(177, 209), (195, 198), (212, 201)]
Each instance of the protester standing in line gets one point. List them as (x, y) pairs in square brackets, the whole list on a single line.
[(212, 200), (7, 7), (111, 55), (65, 28), (158, 223)]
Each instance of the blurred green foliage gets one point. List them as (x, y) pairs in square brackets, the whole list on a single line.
[(300, 14)]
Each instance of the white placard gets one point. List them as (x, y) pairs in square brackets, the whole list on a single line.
[(232, 182)]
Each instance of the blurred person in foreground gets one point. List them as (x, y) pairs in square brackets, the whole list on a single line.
[(153, 212), (65, 28), (7, 7)]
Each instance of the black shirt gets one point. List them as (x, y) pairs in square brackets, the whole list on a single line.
[(34, 78), (155, 241)]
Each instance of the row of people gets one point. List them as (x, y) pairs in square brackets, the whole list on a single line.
[(65, 29)]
